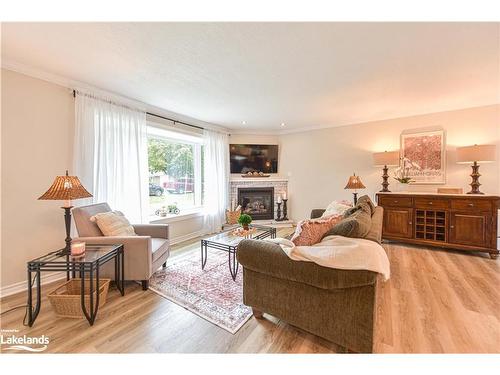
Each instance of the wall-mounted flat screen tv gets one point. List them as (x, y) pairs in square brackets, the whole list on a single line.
[(250, 158)]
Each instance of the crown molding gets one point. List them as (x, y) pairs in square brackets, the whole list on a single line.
[(322, 127), (72, 84), (256, 132)]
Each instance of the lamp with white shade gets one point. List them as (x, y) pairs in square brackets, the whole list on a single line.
[(474, 155), (385, 159)]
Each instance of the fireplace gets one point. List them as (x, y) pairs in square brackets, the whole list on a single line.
[(257, 202)]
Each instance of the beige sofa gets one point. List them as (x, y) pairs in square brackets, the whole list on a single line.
[(144, 253), (338, 305)]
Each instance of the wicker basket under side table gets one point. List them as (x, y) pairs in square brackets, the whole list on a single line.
[(66, 299)]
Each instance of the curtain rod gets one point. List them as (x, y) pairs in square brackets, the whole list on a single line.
[(175, 121), (148, 113)]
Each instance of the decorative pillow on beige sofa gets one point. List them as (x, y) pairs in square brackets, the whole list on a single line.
[(310, 231), (356, 222), (356, 226), (365, 199), (113, 223), (336, 208)]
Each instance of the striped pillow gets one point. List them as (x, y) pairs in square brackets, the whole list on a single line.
[(113, 224)]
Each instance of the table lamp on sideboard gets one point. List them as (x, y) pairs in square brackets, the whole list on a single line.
[(385, 159), (474, 155), (66, 188)]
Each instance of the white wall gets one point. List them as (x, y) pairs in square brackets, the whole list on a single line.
[(319, 162), (254, 139), (37, 122), (37, 137)]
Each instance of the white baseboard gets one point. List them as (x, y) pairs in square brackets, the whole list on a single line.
[(48, 278), (21, 286)]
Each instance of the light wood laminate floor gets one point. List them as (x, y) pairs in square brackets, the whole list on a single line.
[(436, 302)]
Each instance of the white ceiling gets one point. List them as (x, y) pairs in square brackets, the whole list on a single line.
[(306, 75)]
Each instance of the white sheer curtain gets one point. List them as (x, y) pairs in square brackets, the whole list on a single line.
[(216, 174), (110, 155)]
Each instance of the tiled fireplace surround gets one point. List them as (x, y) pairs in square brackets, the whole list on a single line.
[(280, 186)]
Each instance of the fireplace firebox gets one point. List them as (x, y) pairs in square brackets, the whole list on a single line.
[(257, 202)]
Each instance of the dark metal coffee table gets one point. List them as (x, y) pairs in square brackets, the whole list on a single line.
[(95, 256), (228, 242)]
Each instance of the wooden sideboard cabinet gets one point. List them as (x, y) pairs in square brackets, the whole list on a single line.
[(456, 221)]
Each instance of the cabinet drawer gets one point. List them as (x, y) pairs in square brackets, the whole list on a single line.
[(470, 204), (396, 201), (431, 203)]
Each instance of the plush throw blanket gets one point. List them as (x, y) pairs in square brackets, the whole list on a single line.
[(341, 253)]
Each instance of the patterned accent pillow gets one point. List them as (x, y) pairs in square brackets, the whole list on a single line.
[(310, 231), (336, 208), (113, 223)]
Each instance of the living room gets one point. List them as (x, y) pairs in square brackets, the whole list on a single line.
[(250, 187)]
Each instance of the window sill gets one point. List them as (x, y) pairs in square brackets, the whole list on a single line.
[(170, 218)]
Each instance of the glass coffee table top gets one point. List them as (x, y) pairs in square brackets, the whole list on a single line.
[(229, 239), (228, 242)]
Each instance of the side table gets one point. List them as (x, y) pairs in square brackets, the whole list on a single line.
[(95, 256)]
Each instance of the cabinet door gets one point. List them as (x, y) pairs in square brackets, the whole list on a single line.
[(469, 228), (398, 222)]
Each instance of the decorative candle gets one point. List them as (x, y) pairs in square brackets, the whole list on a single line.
[(77, 248), (279, 198), (284, 195)]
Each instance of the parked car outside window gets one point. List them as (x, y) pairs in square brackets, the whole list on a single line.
[(180, 186), (155, 190)]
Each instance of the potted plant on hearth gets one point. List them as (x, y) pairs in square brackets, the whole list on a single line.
[(244, 220)]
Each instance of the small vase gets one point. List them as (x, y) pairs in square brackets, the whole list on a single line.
[(399, 187)]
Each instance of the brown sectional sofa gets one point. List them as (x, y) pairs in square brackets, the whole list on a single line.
[(338, 305)]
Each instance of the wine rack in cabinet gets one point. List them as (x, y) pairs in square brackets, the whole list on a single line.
[(430, 225)]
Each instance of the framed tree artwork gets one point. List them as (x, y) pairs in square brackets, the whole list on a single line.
[(426, 150)]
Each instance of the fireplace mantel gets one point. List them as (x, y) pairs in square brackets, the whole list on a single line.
[(259, 179)]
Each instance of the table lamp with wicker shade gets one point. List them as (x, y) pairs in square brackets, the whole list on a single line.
[(474, 155), (66, 188), (354, 183)]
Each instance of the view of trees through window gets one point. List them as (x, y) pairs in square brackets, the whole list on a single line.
[(175, 174)]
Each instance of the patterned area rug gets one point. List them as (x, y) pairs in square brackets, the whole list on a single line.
[(210, 293)]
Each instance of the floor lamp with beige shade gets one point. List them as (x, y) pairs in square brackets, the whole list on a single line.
[(476, 154), (66, 188), (385, 159)]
